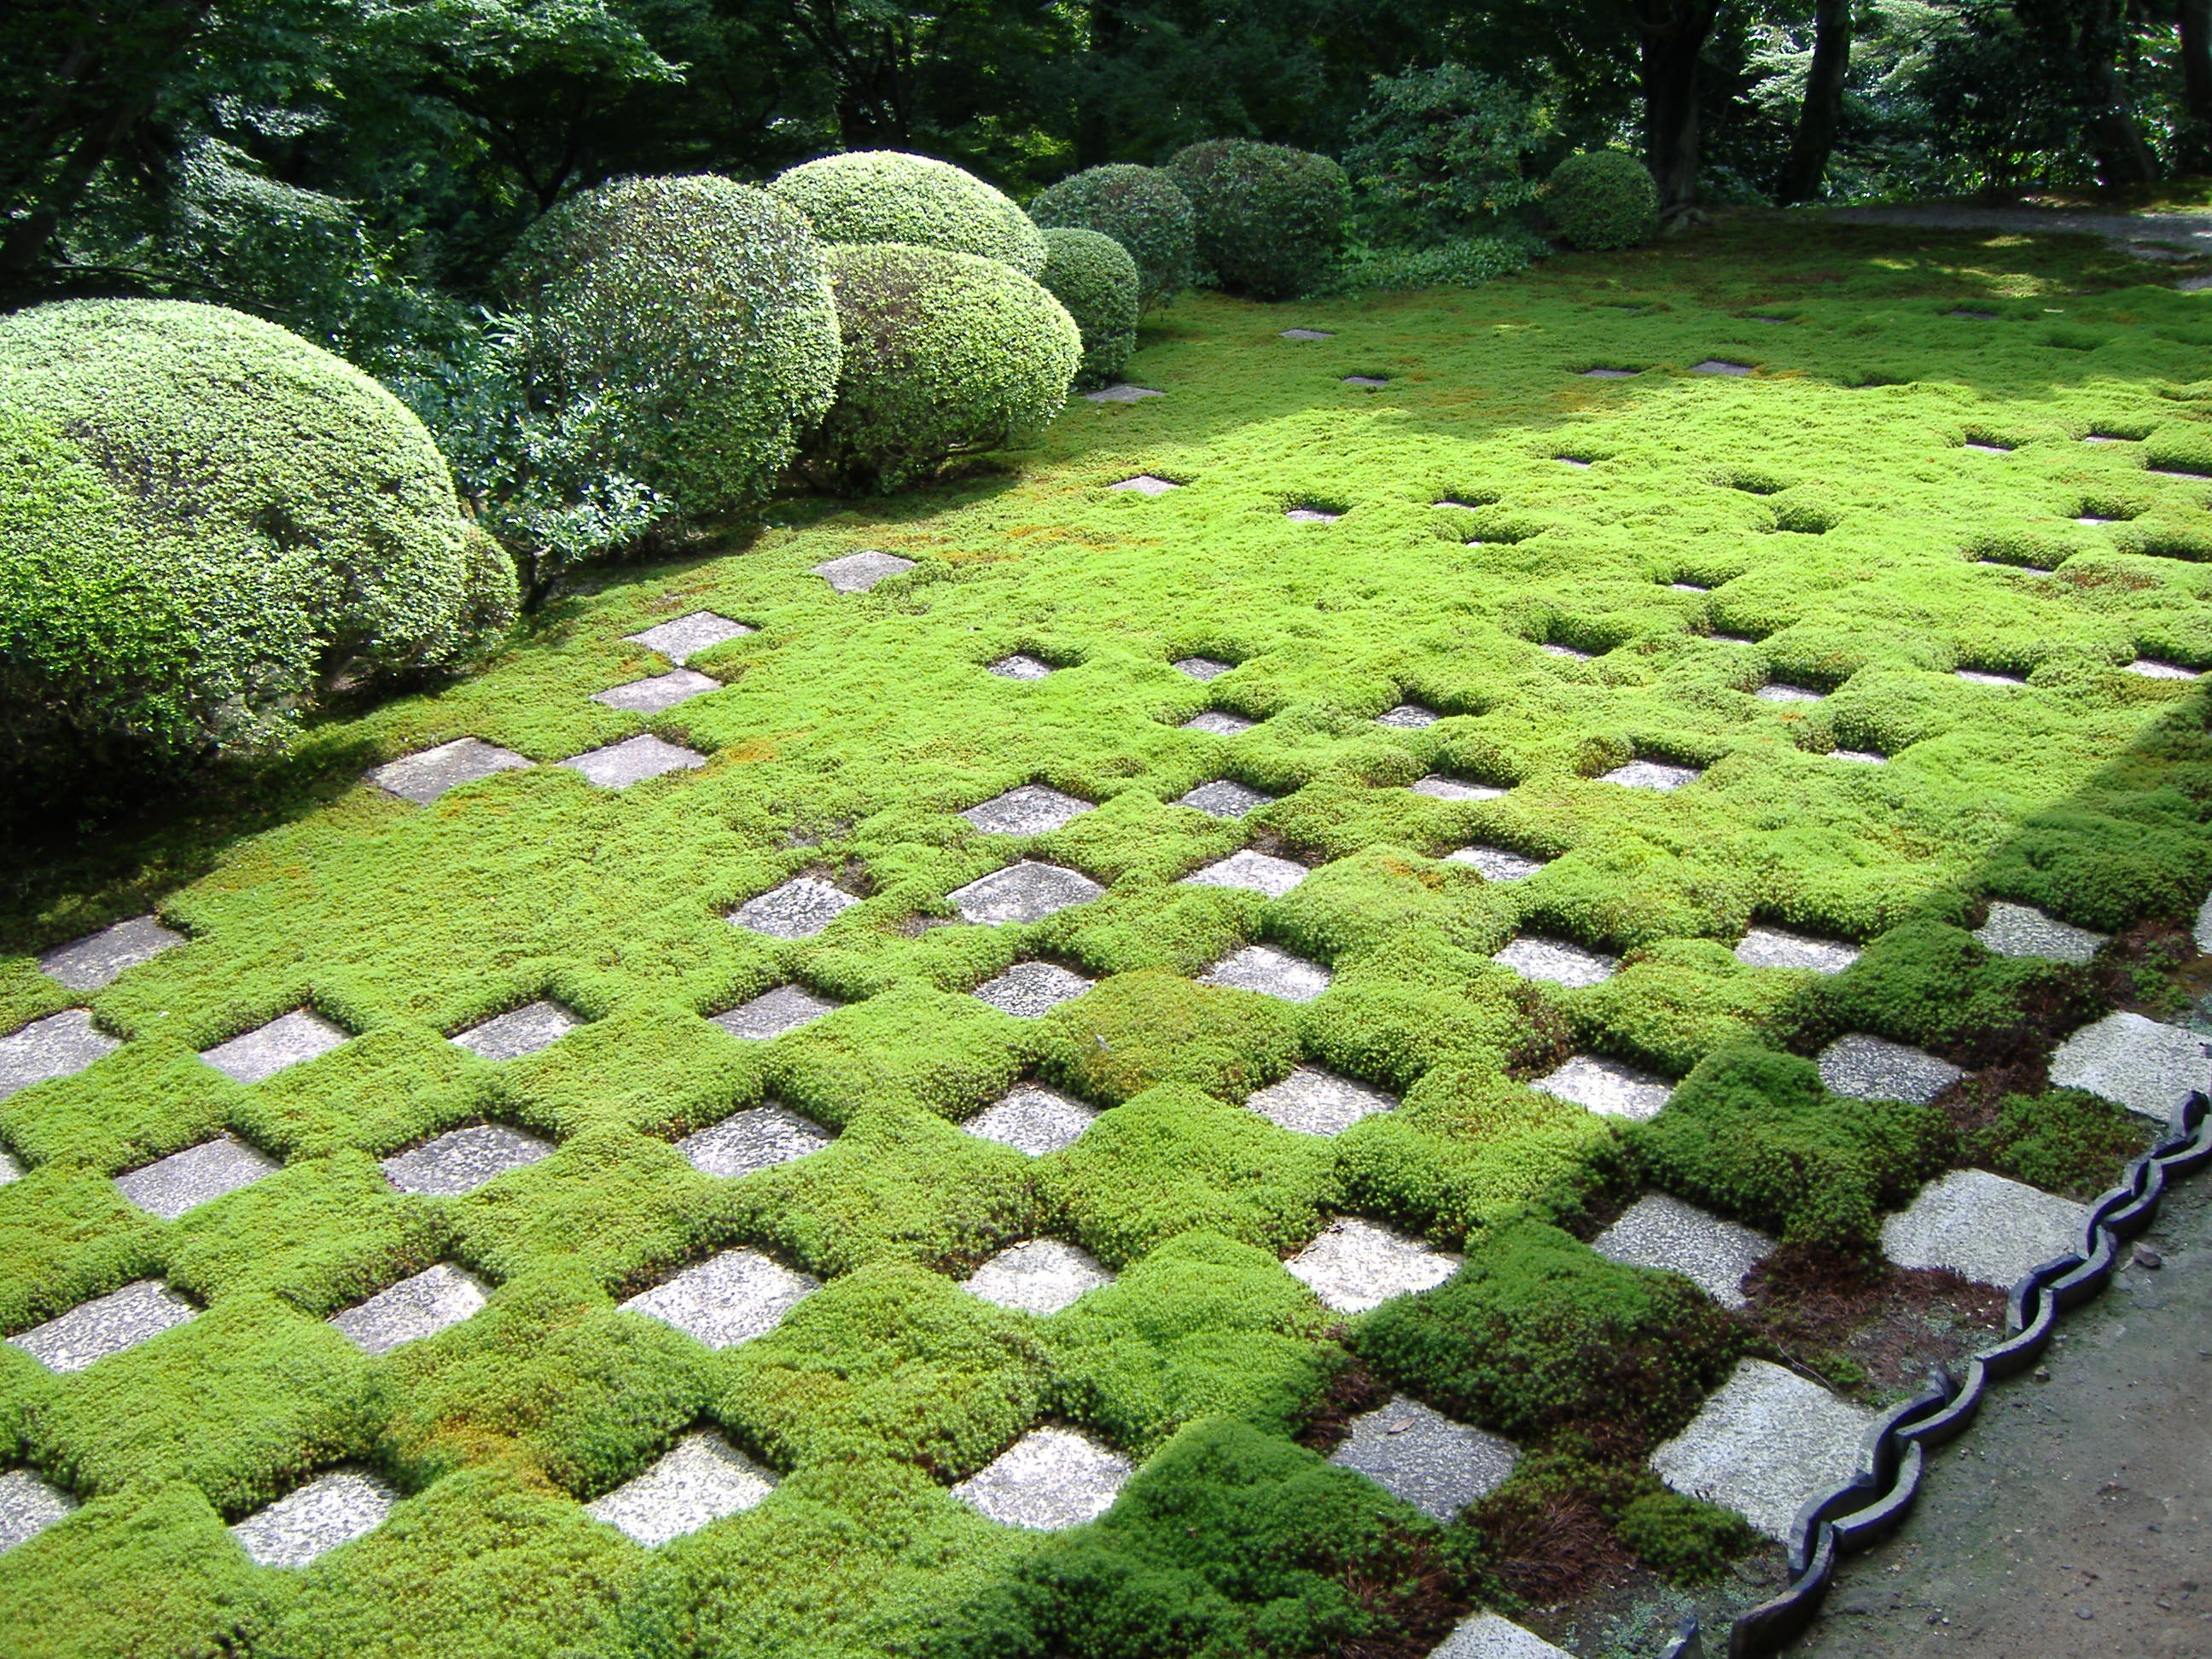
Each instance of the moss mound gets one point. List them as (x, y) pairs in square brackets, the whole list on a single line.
[(1096, 281), (1142, 208), (1603, 199), (889, 196), (1270, 220)]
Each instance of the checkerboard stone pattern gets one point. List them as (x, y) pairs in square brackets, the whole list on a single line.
[(1660, 1232), (60, 1045), (771, 1014), (1312, 1102), (658, 692), (1487, 1636), (1354, 1264), (679, 639), (702, 1479), (1049, 1480), (1610, 1088), (1271, 972), (1033, 1120), (526, 1030), (1497, 863), (2021, 930), (1024, 891), (288, 1040), (461, 1160), (728, 1298), (1983, 1227), (1034, 809), (856, 573), (1224, 798), (1039, 1276), (1862, 1067), (1030, 990), (1262, 872), (198, 1175), (98, 960), (428, 1303), (1773, 947), (2138, 1063), (1764, 1444), (28, 1506), (799, 909), (1423, 1457), (618, 765), (424, 777), (757, 1138), (108, 1324), (1557, 962), (313, 1520)]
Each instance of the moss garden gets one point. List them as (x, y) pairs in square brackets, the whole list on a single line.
[(1021, 1261)]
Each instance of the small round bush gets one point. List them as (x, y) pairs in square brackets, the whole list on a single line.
[(1603, 198), (944, 353), (888, 196), (1270, 220), (1140, 208), (695, 313), (1096, 280)]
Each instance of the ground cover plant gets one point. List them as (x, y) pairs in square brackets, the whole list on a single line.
[(1435, 507)]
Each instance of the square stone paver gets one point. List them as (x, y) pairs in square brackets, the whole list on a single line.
[(1423, 1457), (1497, 863), (108, 1324), (1553, 649), (1862, 756), (1368, 381), (2021, 930), (314, 1519), (1575, 461), (799, 908), (2135, 1062), (1409, 717), (2151, 669), (1354, 1265), (461, 1160), (1306, 334), (1439, 787), (1271, 972), (1978, 676), (434, 1299), (1049, 1480), (1312, 515), (702, 1478), (1032, 809), (1557, 962), (1487, 1636), (856, 573), (1020, 665), (1719, 366), (1220, 723), (1146, 483), (1689, 587), (1224, 798), (288, 1040), (1764, 1444), (1030, 990), (60, 1045), (1651, 774), (100, 960), (1261, 872), (28, 1506), (1122, 394), (728, 1298), (9, 1168), (1033, 1119), (618, 765), (1026, 892), (1862, 1067), (521, 1032), (678, 639), (1781, 691), (1607, 1087), (1978, 448), (1981, 1225), (423, 777), (1202, 668), (771, 1014), (1608, 374), (1039, 1276), (660, 691), (198, 1175), (1772, 947), (1312, 1102), (1660, 1231), (759, 1138)]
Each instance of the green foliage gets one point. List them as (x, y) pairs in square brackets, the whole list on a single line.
[(1603, 199), (887, 196), (1140, 208), (1688, 1542), (2062, 1140), (1139, 1029), (1270, 220), (67, 1235), (1437, 156), (1936, 986), (1464, 262), (1090, 275)]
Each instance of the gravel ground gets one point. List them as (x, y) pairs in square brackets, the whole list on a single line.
[(2159, 231)]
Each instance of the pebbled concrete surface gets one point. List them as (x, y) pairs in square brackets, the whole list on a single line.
[(101, 958), (1032, 1119)]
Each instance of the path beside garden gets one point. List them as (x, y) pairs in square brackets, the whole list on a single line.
[(2147, 236)]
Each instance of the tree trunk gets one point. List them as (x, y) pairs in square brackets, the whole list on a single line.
[(2196, 16), (1674, 34), (2082, 39), (1803, 173), (1094, 123)]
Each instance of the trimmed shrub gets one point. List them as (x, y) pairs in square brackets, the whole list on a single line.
[(889, 196), (1096, 279), (1140, 208), (1603, 198), (1270, 220), (1437, 154), (2064, 1141), (1939, 987), (1688, 1542), (944, 353)]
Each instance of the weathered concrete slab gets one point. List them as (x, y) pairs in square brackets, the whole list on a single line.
[(1660, 1231), (702, 1479), (728, 1298), (1049, 1480), (434, 1299), (1039, 1276), (1423, 1457), (198, 1175), (60, 1045), (1862, 1067), (771, 1014), (1271, 972), (1438, 787), (1218, 722), (759, 1138), (424, 777), (1487, 1636), (1223, 798), (1652, 775), (288, 1040), (1030, 990), (1033, 808), (521, 1032), (679, 639), (1773, 947), (1763, 1445), (462, 1160), (1146, 483), (1024, 891), (107, 1324), (1557, 962), (1261, 872), (1368, 382), (1122, 394), (312, 1520), (657, 692), (1553, 649), (618, 765), (1608, 1087), (1983, 1226), (856, 573), (98, 960), (1202, 668), (1497, 863), (2135, 1062), (2151, 669), (1032, 1119), (1020, 665), (2021, 930), (1354, 1265), (1720, 365), (1306, 334), (28, 1506), (1313, 1102), (799, 909), (1312, 515)]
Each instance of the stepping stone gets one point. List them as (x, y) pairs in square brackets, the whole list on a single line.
[(1030, 990), (1024, 891), (1423, 1457), (1654, 775), (1607, 1088), (1259, 872), (856, 573), (1771, 947), (1307, 334), (1486, 1636), (288, 1040), (2017, 569), (747, 1142), (2134, 1062), (1202, 668), (1458, 507), (799, 908), (1688, 587), (2148, 667), (1572, 460), (1731, 639), (1989, 449), (28, 1507), (1032, 1119), (2179, 478), (1369, 381), (1764, 1445), (1312, 1102), (1271, 972), (198, 1175), (2091, 518), (1984, 1227), (434, 1299), (60, 1045), (1048, 1480), (1019, 666), (314, 1519), (1034, 809), (423, 777), (2021, 930), (1122, 394), (1659, 1230), (526, 1030), (105, 1325), (650, 697), (100, 960), (1862, 1067), (1041, 1276), (618, 765), (2105, 438), (1408, 716), (786, 1008), (1223, 799), (1497, 863), (10, 1170), (728, 1298), (1439, 787), (678, 641), (1146, 483), (1354, 1265), (1312, 515), (702, 1478), (1568, 651), (1221, 725), (1861, 756), (1557, 962), (1777, 691), (461, 1160), (1719, 366), (1608, 374)]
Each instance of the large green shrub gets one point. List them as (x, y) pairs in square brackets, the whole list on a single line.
[(1436, 156), (1140, 208), (944, 353), (1270, 220), (1603, 198), (1096, 281), (888, 196)]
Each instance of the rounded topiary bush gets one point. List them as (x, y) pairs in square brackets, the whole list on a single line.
[(1142, 208), (888, 196), (202, 516), (944, 353), (1094, 276), (695, 313), (1270, 220), (1603, 198)]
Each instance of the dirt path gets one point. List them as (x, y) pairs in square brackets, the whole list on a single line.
[(2152, 236)]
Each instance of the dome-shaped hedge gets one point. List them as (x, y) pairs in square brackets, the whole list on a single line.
[(200, 514), (1603, 198), (1270, 218), (888, 196), (1094, 276), (696, 311), (1140, 208), (944, 353)]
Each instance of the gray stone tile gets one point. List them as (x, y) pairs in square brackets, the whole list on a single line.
[(1306, 334), (799, 908), (1019, 666), (1985, 449), (700, 1479), (1271, 972), (1981, 1225), (1731, 639), (1439, 787), (728, 1298), (1040, 1276), (856, 573), (198, 1175), (1781, 691), (1025, 891), (660, 691), (1261, 872), (1978, 677), (1652, 775), (1864, 757), (2021, 930), (1659, 1230), (1312, 1102), (1719, 366), (679, 639), (1487, 1636), (60, 1045), (1368, 381), (1763, 1445), (1354, 1265), (1424, 1458), (1202, 668), (28, 1506), (1219, 722), (2151, 669), (2178, 477), (1862, 1067), (1553, 649), (2137, 1063), (1033, 808), (1689, 587), (312, 1520), (1146, 483), (108, 1324), (1224, 798), (1312, 515), (618, 765), (1032, 1119), (786, 1008), (9, 1168), (1557, 962), (461, 1160), (288, 1040), (1049, 1480), (1579, 465), (1408, 716), (1773, 947), (1497, 863), (757, 1138), (100, 960), (1608, 374), (1030, 990), (1122, 394), (425, 776), (1607, 1087), (523, 1030), (430, 1301)]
